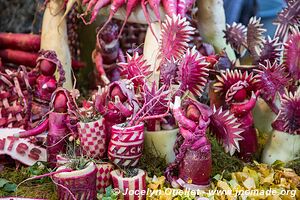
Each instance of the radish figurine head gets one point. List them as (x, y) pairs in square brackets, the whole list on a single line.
[(47, 67), (48, 63), (109, 34), (60, 102)]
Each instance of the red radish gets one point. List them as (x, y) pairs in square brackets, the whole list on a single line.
[(143, 4), (115, 5), (19, 57), (28, 59), (131, 4), (116, 91), (47, 68), (170, 7), (181, 7), (154, 4), (33, 132), (26, 42), (193, 113), (60, 103), (100, 4), (98, 60)]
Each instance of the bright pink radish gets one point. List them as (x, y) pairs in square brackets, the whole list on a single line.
[(33, 132), (26, 42), (100, 4), (115, 5), (131, 4), (170, 7), (154, 4), (181, 7), (143, 4)]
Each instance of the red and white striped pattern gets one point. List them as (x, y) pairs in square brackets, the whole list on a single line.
[(126, 145), (103, 175), (136, 184), (93, 138)]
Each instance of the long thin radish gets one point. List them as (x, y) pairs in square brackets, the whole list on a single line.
[(181, 7), (131, 4), (116, 4), (20, 41), (18, 57), (33, 132), (170, 7), (143, 4), (91, 4), (100, 4), (154, 4), (28, 59)]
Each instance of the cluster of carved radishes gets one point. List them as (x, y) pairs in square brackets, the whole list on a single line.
[(276, 60)]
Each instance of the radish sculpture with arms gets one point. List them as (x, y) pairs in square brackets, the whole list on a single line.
[(193, 158)]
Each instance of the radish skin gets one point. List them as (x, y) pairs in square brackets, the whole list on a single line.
[(131, 4), (182, 7), (33, 132), (19, 57), (116, 4), (100, 4), (54, 37), (154, 4), (28, 59), (20, 41), (211, 23), (170, 7)]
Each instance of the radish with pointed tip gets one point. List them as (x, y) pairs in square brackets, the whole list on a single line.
[(35, 131), (154, 4), (100, 4), (131, 4), (115, 5), (170, 7)]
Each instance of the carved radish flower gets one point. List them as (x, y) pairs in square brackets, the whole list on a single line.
[(168, 71), (272, 78), (135, 69), (289, 114), (271, 50), (235, 35), (291, 55), (175, 35), (193, 72), (236, 85), (226, 129)]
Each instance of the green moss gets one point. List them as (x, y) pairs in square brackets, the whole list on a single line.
[(153, 164), (223, 163), (31, 189), (295, 164)]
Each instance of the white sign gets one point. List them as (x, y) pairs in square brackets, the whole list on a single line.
[(20, 148)]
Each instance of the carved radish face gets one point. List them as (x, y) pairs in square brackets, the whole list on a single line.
[(47, 67), (240, 95), (116, 91), (193, 113), (109, 33), (60, 103)]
